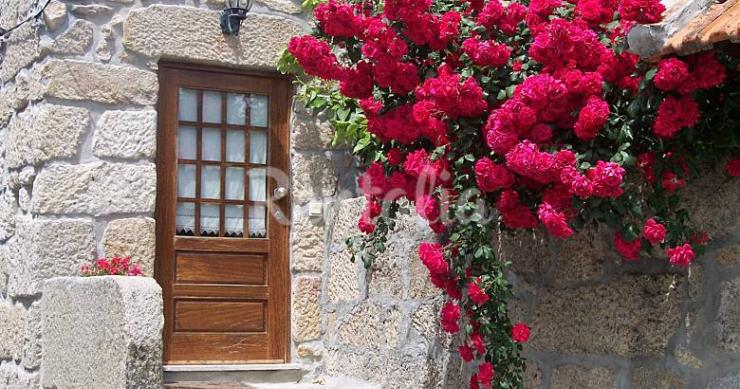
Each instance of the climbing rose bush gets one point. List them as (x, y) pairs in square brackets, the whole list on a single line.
[(489, 117)]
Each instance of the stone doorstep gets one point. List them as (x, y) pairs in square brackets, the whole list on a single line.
[(207, 385), (285, 373)]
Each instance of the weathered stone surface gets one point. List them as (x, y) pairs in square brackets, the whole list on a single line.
[(31, 356), (106, 45), (645, 378), (713, 187), (42, 249), (425, 321), (287, 6), (370, 325), (580, 258), (90, 10), (76, 40), (12, 377), (345, 214), (14, 11), (8, 214), (309, 244), (45, 132), (21, 49), (420, 285), (306, 308), (314, 177), (167, 31), (728, 255), (11, 330), (631, 316), (687, 358), (132, 237), (122, 313), (126, 134), (107, 84), (98, 188), (343, 282), (55, 15), (529, 253), (728, 325), (577, 377), (532, 376), (310, 131), (728, 382)]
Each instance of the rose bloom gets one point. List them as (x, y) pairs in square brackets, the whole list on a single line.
[(450, 316), (466, 353), (733, 167), (520, 333), (486, 374), (671, 73), (477, 294), (653, 231), (681, 255), (628, 250)]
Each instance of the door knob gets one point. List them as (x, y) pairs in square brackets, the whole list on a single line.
[(279, 193)]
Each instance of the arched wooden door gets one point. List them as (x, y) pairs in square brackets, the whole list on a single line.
[(222, 253)]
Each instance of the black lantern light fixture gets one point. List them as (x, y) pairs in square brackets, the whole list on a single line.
[(235, 11)]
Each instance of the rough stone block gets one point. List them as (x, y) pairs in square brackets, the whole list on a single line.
[(728, 325), (126, 134), (529, 252), (43, 249), (102, 332), (31, 356), (45, 132), (728, 255), (370, 325), (106, 84), (11, 331), (343, 282), (314, 177), (168, 31), (727, 382), (55, 15), (631, 316), (76, 40), (310, 131), (8, 215), (306, 308), (645, 378), (580, 258), (132, 237), (420, 285), (21, 50), (345, 214), (97, 188), (309, 244), (713, 187), (287, 6), (576, 377)]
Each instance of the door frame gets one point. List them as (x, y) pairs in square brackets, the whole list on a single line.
[(279, 139)]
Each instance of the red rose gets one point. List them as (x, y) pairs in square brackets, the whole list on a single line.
[(653, 231), (681, 255), (675, 114), (478, 343), (491, 176), (671, 73), (450, 317), (485, 374), (591, 118), (466, 353), (628, 250), (733, 167), (642, 11), (477, 294), (432, 256), (520, 333)]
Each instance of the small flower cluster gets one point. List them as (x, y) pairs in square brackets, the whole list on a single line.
[(536, 107), (116, 266)]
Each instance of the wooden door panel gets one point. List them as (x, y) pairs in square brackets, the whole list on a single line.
[(220, 316), (216, 268), (220, 348), (224, 274)]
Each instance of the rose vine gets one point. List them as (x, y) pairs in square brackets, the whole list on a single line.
[(490, 117)]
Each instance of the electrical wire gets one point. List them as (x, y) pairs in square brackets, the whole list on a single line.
[(4, 32)]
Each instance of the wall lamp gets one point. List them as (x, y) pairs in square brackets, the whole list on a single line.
[(233, 14)]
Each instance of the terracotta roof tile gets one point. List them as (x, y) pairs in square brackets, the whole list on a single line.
[(720, 22)]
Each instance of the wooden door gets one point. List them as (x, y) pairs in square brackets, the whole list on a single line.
[(222, 243)]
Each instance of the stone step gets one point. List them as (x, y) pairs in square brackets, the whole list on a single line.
[(207, 385), (259, 373), (326, 383)]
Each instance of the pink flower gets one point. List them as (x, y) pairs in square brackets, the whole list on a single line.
[(642, 11), (671, 182), (486, 53), (520, 333), (681, 255), (450, 317), (675, 114), (591, 118), (653, 231), (432, 256), (554, 220), (478, 343), (366, 224), (315, 57), (628, 250)]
